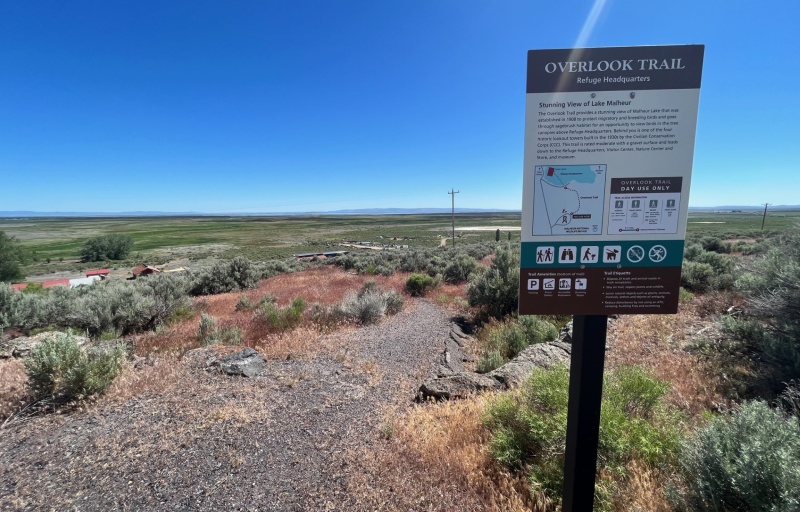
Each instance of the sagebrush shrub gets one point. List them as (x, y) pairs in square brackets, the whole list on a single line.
[(772, 284), (369, 304), (497, 289), (59, 369), (365, 309), (460, 268), (744, 461)]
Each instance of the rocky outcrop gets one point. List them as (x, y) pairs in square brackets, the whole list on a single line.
[(541, 355), (228, 360), (454, 380), (23, 346), (458, 385)]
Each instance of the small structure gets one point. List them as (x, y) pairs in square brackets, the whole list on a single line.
[(102, 273), (318, 255), (83, 281), (56, 282), (144, 270)]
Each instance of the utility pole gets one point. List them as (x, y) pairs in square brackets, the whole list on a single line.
[(453, 211), (764, 219)]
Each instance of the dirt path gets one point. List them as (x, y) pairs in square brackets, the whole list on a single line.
[(282, 441)]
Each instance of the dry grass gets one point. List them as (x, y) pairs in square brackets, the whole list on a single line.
[(14, 392), (435, 457), (642, 491), (324, 285), (657, 342)]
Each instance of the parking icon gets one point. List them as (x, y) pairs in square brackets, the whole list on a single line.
[(533, 284)]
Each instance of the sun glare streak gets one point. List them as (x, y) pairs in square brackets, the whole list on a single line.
[(583, 36)]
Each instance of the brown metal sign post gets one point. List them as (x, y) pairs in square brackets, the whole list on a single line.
[(609, 147)]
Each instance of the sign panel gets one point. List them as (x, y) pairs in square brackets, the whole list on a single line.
[(609, 143)]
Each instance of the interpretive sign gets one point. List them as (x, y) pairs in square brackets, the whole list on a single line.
[(609, 143)]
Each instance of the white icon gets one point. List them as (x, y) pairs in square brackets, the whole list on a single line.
[(549, 284), (564, 283), (611, 253), (589, 253), (580, 283), (567, 254), (657, 253), (545, 255), (635, 253), (533, 284)]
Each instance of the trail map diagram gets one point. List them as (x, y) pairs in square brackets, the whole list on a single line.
[(568, 199)]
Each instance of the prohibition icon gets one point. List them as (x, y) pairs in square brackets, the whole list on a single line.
[(657, 253), (635, 253)]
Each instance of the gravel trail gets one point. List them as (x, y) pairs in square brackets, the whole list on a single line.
[(283, 441)]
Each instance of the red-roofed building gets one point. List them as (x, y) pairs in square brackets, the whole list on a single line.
[(19, 286), (56, 282), (103, 273), (144, 270)]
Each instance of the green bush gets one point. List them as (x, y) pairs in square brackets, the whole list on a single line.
[(460, 268), (509, 337), (418, 284), (209, 333), (490, 360), (528, 428), (106, 247), (244, 303), (697, 277), (59, 369), (11, 257), (281, 319), (745, 461), (497, 289)]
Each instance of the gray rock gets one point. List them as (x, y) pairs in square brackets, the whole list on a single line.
[(247, 363), (460, 385), (565, 334), (450, 384), (541, 355), (23, 346), (229, 360)]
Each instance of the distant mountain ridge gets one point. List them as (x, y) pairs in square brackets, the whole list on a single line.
[(357, 211), (361, 211)]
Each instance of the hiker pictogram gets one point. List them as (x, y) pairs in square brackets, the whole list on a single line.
[(545, 254)]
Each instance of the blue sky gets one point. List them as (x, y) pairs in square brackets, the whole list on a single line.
[(242, 106)]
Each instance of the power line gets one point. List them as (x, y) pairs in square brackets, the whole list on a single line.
[(453, 212)]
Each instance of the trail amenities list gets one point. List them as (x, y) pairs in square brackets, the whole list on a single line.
[(609, 143)]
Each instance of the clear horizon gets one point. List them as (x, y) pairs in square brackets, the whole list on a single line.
[(239, 108)]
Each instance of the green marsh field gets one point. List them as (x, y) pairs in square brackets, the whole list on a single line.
[(55, 242)]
